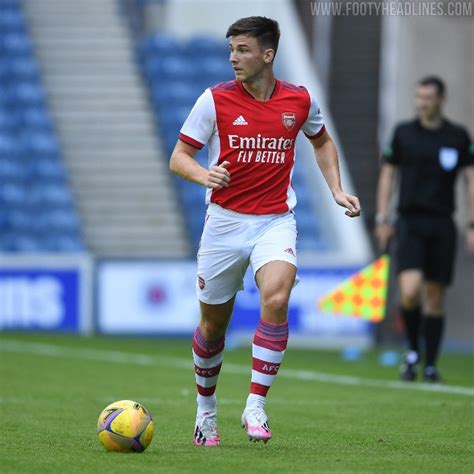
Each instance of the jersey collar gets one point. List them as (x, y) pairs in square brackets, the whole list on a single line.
[(250, 97)]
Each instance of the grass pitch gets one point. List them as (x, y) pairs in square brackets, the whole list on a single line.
[(53, 388)]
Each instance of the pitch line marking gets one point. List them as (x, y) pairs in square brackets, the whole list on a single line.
[(119, 357)]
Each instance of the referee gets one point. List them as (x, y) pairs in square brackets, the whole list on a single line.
[(427, 153)]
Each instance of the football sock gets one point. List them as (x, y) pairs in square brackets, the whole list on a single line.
[(207, 357), (434, 327), (412, 320), (268, 349)]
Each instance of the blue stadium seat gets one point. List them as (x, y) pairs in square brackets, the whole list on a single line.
[(15, 43), (48, 169), (10, 3), (54, 195), (12, 170), (58, 220), (160, 45), (175, 94), (40, 143), (9, 147), (11, 20), (36, 205), (34, 118), (8, 121), (206, 46), (20, 242), (26, 93), (63, 243), (23, 69)]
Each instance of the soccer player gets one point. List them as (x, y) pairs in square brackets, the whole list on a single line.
[(250, 125), (428, 153)]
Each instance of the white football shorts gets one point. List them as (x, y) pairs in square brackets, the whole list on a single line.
[(231, 241)]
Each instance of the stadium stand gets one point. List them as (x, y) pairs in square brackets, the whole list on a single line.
[(176, 73), (37, 212)]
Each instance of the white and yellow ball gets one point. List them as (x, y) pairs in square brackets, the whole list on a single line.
[(125, 426)]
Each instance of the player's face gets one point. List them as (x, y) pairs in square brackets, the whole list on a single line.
[(428, 102), (248, 58)]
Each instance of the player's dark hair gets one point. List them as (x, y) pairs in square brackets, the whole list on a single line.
[(264, 29), (434, 81)]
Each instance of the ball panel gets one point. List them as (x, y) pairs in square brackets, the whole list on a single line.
[(113, 442), (123, 424), (147, 435)]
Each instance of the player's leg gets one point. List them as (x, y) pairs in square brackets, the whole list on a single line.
[(208, 354), (410, 257), (433, 310), (275, 280), (222, 261), (438, 274), (274, 262), (410, 284)]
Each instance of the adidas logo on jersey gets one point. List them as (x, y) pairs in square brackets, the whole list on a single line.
[(240, 121)]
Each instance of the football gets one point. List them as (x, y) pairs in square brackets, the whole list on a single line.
[(125, 426)]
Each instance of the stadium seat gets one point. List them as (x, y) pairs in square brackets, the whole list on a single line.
[(11, 20), (205, 46), (12, 170), (15, 43), (36, 204)]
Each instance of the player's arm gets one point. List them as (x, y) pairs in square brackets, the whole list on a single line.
[(469, 174), (183, 164), (326, 157), (196, 131), (383, 221)]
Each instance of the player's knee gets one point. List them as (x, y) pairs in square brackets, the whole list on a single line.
[(212, 330), (410, 298), (434, 305), (276, 302)]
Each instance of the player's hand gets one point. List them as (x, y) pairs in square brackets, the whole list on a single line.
[(218, 176), (383, 233), (470, 241), (351, 203)]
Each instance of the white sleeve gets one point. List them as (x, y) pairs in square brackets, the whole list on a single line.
[(201, 122), (314, 125)]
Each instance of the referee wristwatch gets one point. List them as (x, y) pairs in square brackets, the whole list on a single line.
[(381, 218)]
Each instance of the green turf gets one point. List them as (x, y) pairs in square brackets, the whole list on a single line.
[(50, 404)]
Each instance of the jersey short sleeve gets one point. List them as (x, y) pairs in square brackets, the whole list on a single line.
[(391, 153), (314, 125), (201, 122), (467, 157)]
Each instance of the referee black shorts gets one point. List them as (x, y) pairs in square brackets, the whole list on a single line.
[(428, 244)]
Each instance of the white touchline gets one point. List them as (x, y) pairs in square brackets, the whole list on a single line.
[(119, 357)]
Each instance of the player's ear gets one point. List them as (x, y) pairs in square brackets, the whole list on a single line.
[(268, 55)]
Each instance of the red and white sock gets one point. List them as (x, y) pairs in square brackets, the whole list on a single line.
[(268, 349), (207, 356)]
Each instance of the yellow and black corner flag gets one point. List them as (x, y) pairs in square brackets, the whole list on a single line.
[(363, 295)]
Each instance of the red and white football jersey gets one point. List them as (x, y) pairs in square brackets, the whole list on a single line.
[(257, 138)]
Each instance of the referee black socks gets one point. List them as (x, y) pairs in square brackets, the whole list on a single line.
[(412, 320), (434, 328)]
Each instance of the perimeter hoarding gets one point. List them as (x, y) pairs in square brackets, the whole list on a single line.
[(158, 298), (46, 293)]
